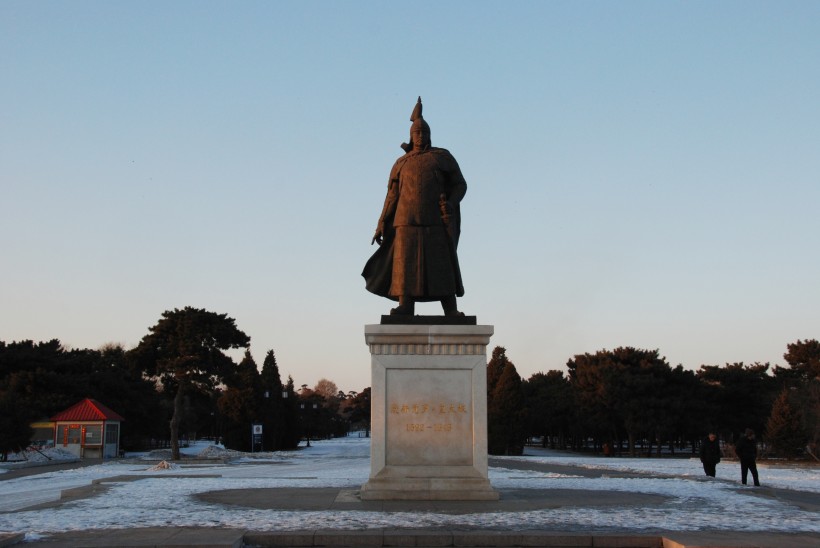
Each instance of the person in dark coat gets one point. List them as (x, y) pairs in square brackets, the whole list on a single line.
[(710, 454), (746, 449)]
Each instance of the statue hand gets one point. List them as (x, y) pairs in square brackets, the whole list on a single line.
[(445, 206), (377, 237)]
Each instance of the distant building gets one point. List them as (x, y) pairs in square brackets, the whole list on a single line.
[(88, 429)]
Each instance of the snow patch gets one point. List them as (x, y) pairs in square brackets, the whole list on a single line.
[(219, 452), (43, 455)]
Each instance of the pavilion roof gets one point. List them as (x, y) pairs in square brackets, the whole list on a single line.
[(87, 410)]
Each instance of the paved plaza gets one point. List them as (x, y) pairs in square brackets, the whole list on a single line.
[(346, 500)]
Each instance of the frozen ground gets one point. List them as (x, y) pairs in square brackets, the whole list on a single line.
[(165, 496), (798, 477)]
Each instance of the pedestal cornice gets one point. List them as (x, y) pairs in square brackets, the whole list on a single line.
[(431, 340)]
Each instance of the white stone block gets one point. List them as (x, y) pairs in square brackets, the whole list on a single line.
[(428, 412)]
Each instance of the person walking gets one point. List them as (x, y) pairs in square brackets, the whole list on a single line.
[(746, 449), (710, 454)]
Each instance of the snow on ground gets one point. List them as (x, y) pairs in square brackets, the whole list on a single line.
[(695, 502), (47, 454), (772, 473)]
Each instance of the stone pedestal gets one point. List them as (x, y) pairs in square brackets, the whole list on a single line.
[(428, 412)]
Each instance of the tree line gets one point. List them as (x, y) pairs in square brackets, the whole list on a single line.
[(633, 400), (178, 382)]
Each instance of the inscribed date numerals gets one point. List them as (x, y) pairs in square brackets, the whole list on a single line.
[(417, 427)]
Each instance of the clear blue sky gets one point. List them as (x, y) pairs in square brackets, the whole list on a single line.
[(640, 173)]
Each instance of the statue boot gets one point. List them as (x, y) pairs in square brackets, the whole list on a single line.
[(407, 307), (450, 307)]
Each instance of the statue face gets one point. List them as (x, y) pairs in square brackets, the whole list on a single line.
[(421, 139)]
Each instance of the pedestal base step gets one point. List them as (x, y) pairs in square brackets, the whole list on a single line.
[(428, 489)]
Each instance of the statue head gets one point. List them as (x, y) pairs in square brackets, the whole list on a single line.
[(419, 131)]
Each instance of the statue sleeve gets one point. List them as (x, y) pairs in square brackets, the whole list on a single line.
[(456, 185), (389, 209)]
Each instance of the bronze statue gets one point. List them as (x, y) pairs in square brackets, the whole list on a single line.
[(419, 227)]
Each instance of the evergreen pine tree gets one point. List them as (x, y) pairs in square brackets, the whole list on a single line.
[(505, 410), (185, 351), (15, 426), (240, 404), (784, 430), (495, 367), (292, 432), (804, 358), (270, 377), (272, 405)]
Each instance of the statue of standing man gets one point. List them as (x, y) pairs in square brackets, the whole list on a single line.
[(419, 227)]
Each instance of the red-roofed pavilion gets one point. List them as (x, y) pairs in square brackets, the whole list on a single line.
[(88, 429)]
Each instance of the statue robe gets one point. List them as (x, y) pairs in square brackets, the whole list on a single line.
[(418, 256)]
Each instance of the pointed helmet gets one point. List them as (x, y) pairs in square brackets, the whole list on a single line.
[(418, 124)]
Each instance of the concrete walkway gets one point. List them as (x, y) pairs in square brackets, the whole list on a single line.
[(169, 537), (511, 500)]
